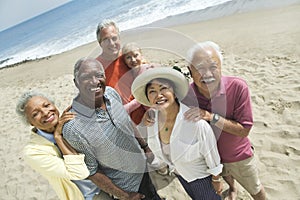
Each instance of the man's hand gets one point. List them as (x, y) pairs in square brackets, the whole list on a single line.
[(195, 114), (133, 196)]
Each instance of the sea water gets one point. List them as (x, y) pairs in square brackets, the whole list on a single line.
[(74, 24)]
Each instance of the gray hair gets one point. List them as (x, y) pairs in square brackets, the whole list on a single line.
[(201, 47), (83, 61), (131, 46), (104, 24), (23, 100)]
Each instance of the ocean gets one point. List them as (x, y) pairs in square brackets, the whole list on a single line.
[(74, 24)]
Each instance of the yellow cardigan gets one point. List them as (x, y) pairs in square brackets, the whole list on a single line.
[(44, 157)]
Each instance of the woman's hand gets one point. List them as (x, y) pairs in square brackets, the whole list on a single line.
[(65, 117), (63, 145), (148, 118), (217, 184)]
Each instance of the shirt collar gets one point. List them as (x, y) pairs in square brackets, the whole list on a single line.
[(84, 110), (222, 89), (48, 136)]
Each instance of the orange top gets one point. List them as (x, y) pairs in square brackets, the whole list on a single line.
[(115, 77)]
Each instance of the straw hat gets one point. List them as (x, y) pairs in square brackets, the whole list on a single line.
[(138, 87)]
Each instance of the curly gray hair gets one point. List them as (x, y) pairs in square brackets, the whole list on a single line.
[(23, 100)]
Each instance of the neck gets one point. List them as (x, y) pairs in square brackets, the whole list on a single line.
[(108, 57), (170, 113), (49, 131), (135, 71), (207, 92), (92, 104)]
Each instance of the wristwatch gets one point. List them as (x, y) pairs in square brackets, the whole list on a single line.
[(215, 119)]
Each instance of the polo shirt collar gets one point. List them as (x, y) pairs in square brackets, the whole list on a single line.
[(84, 110), (222, 89)]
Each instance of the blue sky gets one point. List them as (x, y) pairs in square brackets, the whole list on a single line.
[(13, 12)]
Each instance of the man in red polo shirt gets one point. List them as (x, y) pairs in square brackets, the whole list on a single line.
[(225, 102)]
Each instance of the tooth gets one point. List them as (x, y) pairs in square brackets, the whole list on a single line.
[(94, 89)]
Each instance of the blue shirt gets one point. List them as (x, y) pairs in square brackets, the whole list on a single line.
[(106, 137)]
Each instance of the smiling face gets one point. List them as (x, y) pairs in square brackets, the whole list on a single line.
[(90, 82), (206, 70), (160, 94), (41, 113), (133, 59), (110, 43)]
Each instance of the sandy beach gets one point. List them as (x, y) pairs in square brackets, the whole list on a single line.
[(261, 46)]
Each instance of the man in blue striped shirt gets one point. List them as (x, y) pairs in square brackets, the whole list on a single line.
[(103, 131)]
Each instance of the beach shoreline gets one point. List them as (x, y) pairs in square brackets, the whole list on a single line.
[(260, 46), (229, 8)]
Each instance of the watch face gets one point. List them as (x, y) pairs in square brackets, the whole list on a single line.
[(216, 118)]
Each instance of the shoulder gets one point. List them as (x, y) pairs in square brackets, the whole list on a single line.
[(109, 91), (233, 80), (38, 146), (112, 94)]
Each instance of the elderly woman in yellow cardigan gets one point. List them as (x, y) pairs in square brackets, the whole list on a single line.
[(49, 154)]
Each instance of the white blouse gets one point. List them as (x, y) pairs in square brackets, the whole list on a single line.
[(193, 148)]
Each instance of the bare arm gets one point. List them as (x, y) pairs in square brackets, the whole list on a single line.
[(131, 106), (144, 145), (230, 126)]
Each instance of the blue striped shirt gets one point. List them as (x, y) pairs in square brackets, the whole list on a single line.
[(106, 137)]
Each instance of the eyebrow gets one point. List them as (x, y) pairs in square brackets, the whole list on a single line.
[(203, 63)]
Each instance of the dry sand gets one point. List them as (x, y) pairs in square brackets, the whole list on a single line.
[(260, 46)]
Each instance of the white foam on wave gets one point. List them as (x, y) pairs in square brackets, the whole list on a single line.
[(135, 14)]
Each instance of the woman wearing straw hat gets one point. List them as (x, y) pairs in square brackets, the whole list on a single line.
[(189, 147)]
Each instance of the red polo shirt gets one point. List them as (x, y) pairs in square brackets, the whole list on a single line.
[(232, 101)]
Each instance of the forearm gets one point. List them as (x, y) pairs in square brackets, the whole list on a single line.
[(139, 138), (105, 184), (232, 127), (132, 105), (64, 146)]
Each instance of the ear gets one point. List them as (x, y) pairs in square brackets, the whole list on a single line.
[(76, 84)]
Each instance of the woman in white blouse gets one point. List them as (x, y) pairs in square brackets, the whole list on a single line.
[(189, 147)]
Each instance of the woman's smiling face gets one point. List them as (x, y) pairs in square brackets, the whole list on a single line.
[(42, 113), (160, 94)]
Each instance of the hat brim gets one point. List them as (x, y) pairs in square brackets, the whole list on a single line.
[(138, 87)]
